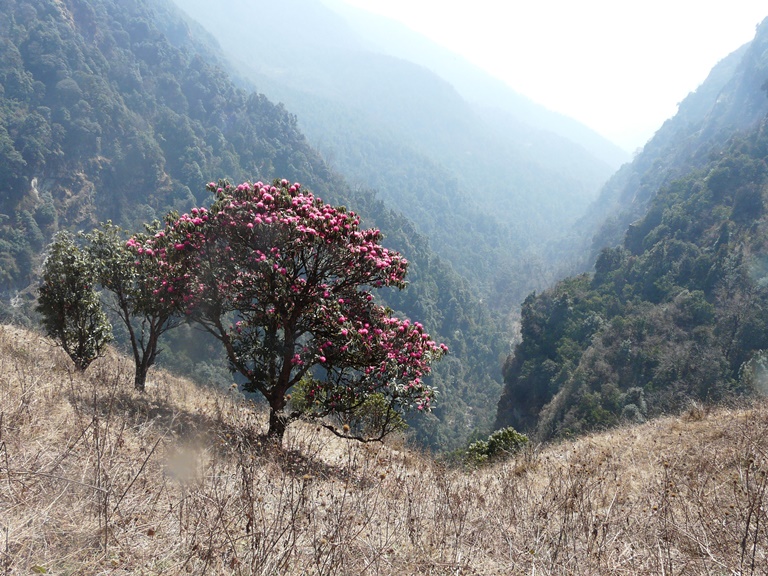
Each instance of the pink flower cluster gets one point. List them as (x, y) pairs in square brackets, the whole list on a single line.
[(295, 271)]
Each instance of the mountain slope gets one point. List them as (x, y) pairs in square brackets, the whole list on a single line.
[(112, 121), (678, 310), (731, 99), (118, 110), (470, 176)]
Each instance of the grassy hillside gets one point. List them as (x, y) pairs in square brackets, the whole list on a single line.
[(99, 480)]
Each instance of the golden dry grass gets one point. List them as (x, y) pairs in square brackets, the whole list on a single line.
[(97, 479)]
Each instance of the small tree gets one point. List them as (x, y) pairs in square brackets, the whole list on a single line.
[(131, 281), (283, 281), (70, 307)]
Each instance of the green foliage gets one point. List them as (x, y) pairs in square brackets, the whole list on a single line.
[(69, 305), (130, 282), (374, 417), (500, 444), (674, 314), (87, 121)]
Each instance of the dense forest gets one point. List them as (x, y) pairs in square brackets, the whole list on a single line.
[(119, 110), (678, 310), (102, 117)]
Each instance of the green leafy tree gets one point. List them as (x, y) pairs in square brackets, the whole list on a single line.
[(372, 418), (70, 307), (130, 280)]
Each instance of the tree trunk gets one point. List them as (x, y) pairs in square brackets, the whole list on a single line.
[(140, 378), (278, 422), (145, 359)]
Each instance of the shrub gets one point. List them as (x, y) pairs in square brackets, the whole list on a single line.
[(501, 444)]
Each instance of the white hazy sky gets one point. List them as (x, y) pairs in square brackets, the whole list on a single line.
[(619, 67)]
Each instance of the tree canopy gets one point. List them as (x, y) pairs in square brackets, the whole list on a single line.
[(131, 285), (283, 281), (69, 304)]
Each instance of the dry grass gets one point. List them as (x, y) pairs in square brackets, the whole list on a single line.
[(96, 479)]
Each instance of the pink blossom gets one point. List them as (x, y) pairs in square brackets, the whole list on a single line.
[(334, 265)]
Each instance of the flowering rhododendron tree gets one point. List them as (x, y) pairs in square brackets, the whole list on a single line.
[(129, 278), (284, 281)]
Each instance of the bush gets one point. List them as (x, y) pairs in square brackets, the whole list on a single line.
[(501, 444), (373, 418)]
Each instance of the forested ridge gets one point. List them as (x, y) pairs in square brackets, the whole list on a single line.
[(731, 99), (674, 307), (102, 117), (119, 110), (677, 312)]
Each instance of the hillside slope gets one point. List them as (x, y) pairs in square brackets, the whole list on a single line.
[(467, 173), (102, 116), (119, 110), (98, 479), (678, 309)]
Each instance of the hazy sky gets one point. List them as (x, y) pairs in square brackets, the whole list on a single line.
[(620, 67)]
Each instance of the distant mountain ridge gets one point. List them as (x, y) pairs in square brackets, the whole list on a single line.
[(475, 85), (467, 174)]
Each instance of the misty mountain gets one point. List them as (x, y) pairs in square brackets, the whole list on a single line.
[(119, 109), (731, 99), (485, 92), (678, 309), (485, 173)]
